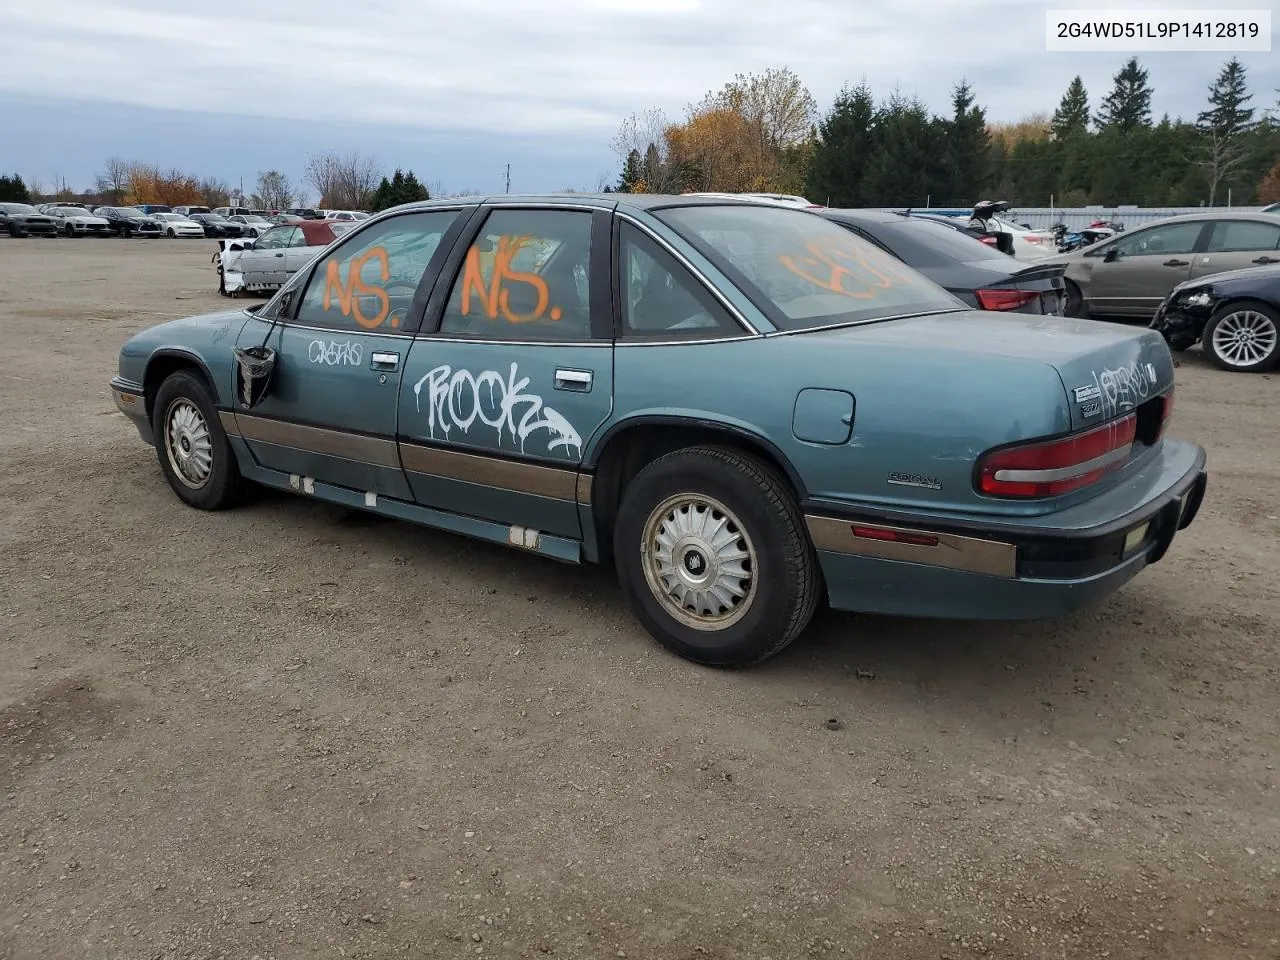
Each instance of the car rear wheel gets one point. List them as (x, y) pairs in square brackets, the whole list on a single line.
[(70, 230), (172, 232), (713, 557), (195, 455), (1243, 337), (1075, 302)]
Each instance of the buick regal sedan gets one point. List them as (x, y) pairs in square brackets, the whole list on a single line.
[(744, 408)]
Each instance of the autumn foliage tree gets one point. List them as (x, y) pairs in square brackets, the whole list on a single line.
[(147, 184), (1269, 188)]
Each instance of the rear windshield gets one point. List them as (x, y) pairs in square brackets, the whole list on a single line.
[(923, 243), (803, 271)]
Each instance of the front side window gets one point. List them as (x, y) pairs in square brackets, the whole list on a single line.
[(662, 299), (803, 271), (1243, 236), (525, 276), (275, 239), (1160, 241), (369, 283)]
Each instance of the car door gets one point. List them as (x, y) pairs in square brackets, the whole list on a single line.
[(263, 261), (341, 340), (299, 253), (1237, 245), (1134, 272), (513, 373)]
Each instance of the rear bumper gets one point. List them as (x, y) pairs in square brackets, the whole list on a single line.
[(1047, 567)]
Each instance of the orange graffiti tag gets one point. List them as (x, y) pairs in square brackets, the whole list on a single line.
[(834, 268), (495, 298), (348, 294)]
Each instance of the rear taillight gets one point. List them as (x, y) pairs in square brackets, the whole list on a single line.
[(989, 240), (1166, 412), (1005, 299), (1048, 468), (1032, 238)]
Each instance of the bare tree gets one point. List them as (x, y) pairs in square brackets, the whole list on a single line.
[(214, 192), (274, 191), (114, 178), (343, 182), (1221, 156), (645, 133)]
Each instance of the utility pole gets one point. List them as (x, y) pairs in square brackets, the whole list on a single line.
[(508, 178)]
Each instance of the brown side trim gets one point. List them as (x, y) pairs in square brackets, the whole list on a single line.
[(535, 479), (969, 554), (331, 443), (585, 486)]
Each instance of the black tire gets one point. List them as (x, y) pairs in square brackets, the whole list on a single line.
[(784, 577), (182, 394), (71, 231), (1256, 322), (1075, 302), (172, 234)]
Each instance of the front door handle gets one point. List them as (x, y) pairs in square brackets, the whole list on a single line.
[(1177, 263), (279, 254), (1266, 260), (574, 380), (384, 361)]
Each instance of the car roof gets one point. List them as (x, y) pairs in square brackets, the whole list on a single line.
[(1218, 215), (605, 201), (863, 216)]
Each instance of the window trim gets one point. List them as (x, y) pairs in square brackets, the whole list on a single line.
[(598, 293), (1198, 246), (700, 289), (1227, 223), (413, 318)]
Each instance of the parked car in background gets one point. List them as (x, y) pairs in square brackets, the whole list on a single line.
[(1131, 274), (267, 263), (150, 208), (1234, 316), (24, 220), (997, 241), (130, 222), (1271, 208), (216, 226), (252, 224), (306, 213), (742, 406), (348, 215), (980, 275), (279, 218), (177, 225), (78, 222), (187, 211)]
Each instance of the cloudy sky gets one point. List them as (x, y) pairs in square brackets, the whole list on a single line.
[(456, 89)]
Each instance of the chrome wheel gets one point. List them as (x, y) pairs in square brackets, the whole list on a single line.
[(188, 443), (699, 562), (1244, 338)]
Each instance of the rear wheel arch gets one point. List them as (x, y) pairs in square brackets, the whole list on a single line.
[(163, 364), (627, 447)]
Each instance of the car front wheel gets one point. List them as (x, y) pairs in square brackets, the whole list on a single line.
[(194, 453), (1243, 337), (713, 556)]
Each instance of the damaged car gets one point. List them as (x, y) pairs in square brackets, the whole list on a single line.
[(266, 263)]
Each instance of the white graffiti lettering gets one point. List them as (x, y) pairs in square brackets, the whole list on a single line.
[(458, 398), (1123, 388), (334, 354)]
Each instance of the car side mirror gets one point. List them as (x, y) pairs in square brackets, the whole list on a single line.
[(1112, 255)]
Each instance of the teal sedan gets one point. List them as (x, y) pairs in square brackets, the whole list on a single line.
[(745, 408)]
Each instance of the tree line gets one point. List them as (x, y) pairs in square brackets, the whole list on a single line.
[(764, 133), (352, 181)]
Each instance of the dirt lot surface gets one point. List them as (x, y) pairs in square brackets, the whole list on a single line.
[(291, 730)]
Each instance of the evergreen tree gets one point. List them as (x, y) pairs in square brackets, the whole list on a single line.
[(845, 145), (966, 141), (1072, 116), (401, 188), (14, 190), (632, 179), (1128, 106), (1228, 114)]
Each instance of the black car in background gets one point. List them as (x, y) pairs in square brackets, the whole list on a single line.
[(1234, 316), (977, 273), (216, 226), (22, 219), (129, 222)]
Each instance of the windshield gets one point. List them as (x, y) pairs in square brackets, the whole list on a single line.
[(804, 271), (923, 243), (131, 214), (18, 208)]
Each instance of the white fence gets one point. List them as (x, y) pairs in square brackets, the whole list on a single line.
[(1041, 218)]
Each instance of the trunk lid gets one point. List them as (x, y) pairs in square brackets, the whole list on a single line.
[(1106, 370)]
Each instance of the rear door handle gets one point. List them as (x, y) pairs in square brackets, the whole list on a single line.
[(384, 361), (279, 254), (1266, 260), (1177, 263), (574, 380)]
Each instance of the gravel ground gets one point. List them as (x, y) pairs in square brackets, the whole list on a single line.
[(296, 731)]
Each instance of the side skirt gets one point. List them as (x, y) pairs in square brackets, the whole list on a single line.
[(532, 541)]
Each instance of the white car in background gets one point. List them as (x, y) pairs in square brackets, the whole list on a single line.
[(77, 221), (254, 225), (347, 215), (176, 225), (1027, 244)]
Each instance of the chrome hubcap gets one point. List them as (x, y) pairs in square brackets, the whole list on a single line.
[(1244, 338), (188, 444), (699, 562)]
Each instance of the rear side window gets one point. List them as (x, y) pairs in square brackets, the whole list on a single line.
[(1243, 236), (924, 244)]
